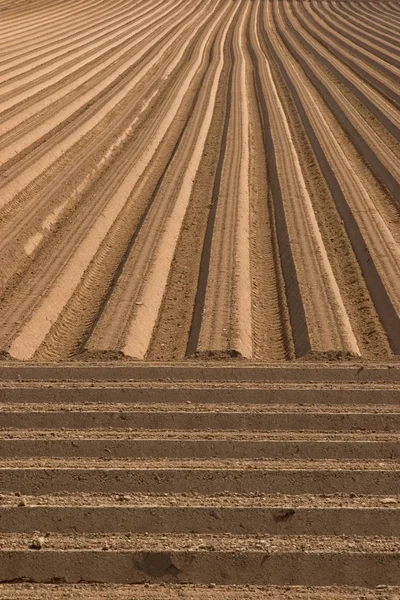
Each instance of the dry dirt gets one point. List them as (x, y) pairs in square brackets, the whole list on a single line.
[(195, 481), (199, 178), (184, 184)]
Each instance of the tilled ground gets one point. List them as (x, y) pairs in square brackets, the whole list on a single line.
[(204, 180), (199, 178), (189, 592), (261, 500)]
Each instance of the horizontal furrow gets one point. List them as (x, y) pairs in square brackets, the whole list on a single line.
[(188, 592), (74, 558), (175, 519), (184, 491)]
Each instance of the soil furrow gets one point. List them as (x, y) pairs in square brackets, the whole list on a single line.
[(359, 26), (16, 87), (206, 394), (164, 220), (176, 373), (367, 68), (23, 117), (222, 500), (165, 591), (307, 543), (43, 477), (99, 153), (364, 22), (344, 181), (118, 71), (333, 332), (171, 445), (381, 14), (344, 264), (121, 193), (282, 520), (54, 25), (170, 190), (76, 40), (207, 417), (226, 325), (192, 435), (386, 62), (382, 158), (354, 80)]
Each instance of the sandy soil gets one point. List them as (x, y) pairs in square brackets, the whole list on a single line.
[(188, 592), (199, 299), (144, 489), (201, 179)]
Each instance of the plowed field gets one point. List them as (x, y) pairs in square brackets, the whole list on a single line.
[(199, 178), (247, 479)]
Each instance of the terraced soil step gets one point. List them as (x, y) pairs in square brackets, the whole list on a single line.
[(203, 515), (206, 492), (117, 443), (47, 475), (201, 417), (194, 371), (117, 558), (189, 592), (201, 392)]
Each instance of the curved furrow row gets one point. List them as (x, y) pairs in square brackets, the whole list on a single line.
[(109, 92), (360, 24), (75, 90), (29, 27), (37, 49), (89, 37), (379, 106), (9, 8), (362, 35), (372, 51), (317, 287), (128, 322), (44, 48), (386, 12), (52, 25), (42, 63), (272, 336), (377, 251), (393, 10), (366, 325), (380, 149), (71, 100), (34, 11), (115, 192), (143, 70), (29, 226), (375, 75), (377, 15), (226, 320), (34, 81), (54, 14)]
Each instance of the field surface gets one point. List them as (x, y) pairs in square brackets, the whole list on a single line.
[(195, 178), (205, 482), (182, 181)]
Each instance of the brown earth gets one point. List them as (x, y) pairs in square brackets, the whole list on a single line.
[(185, 185), (199, 179), (179, 479)]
